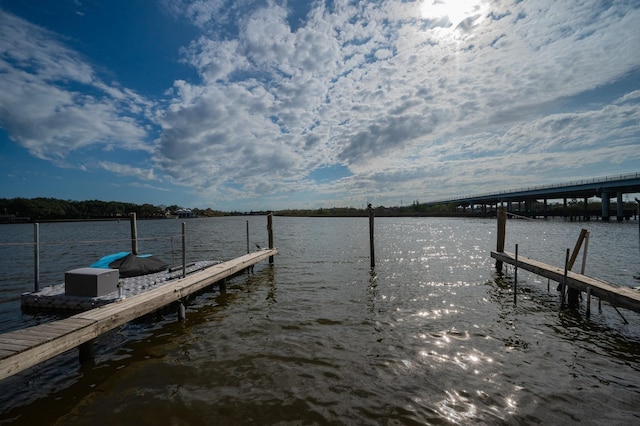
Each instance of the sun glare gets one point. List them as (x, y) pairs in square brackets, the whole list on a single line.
[(453, 11)]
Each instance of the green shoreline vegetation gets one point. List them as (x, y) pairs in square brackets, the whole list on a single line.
[(41, 209)]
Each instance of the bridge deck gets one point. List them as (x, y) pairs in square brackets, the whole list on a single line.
[(25, 348), (623, 297)]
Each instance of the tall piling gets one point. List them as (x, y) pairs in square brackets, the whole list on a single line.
[(270, 232), (36, 257), (134, 233), (502, 230), (372, 250)]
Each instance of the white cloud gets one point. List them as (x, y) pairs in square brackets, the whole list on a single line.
[(51, 101), (412, 101)]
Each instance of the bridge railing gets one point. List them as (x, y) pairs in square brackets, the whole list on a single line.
[(541, 187)]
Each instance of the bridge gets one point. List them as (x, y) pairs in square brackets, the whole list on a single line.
[(604, 188)]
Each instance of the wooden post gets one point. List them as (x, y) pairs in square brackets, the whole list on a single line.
[(182, 312), (502, 228), (573, 295), (584, 253), (564, 278), (270, 232), (372, 249), (247, 237), (85, 353), (576, 248), (184, 250), (134, 233), (515, 278), (36, 257)]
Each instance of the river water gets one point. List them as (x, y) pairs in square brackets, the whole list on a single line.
[(430, 336)]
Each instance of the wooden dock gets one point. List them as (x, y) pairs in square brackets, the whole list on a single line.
[(623, 297), (25, 348)]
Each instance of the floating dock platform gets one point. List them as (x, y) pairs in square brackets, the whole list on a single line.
[(54, 298), (27, 347)]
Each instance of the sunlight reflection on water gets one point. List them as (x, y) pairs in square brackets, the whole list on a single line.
[(430, 336)]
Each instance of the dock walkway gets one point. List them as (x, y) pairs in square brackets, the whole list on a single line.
[(27, 347), (623, 297)]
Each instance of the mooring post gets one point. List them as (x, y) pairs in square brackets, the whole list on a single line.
[(372, 249), (515, 278), (564, 278), (502, 228), (134, 233), (184, 250), (270, 232), (36, 257), (247, 237)]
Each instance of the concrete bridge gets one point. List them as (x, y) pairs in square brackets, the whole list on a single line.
[(604, 188)]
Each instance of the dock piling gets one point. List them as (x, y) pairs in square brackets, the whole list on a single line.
[(184, 250), (36, 256), (372, 250), (515, 278), (502, 228), (564, 279), (134, 233), (182, 312), (270, 232), (85, 353)]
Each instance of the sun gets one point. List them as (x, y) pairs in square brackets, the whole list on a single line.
[(450, 13)]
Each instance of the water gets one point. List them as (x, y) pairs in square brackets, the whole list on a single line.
[(431, 337)]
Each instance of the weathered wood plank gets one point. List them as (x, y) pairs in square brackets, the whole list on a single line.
[(623, 297), (21, 349), (39, 353)]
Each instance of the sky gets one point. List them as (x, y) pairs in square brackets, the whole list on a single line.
[(267, 105)]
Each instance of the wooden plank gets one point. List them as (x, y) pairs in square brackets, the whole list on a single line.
[(5, 353), (21, 349), (623, 297), (39, 353)]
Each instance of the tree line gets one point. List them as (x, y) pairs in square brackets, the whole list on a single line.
[(44, 209)]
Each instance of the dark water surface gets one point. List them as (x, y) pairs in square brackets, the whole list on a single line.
[(430, 337)]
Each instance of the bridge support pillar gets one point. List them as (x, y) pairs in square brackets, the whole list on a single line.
[(605, 206), (619, 207), (586, 209), (545, 208), (565, 211), (509, 207)]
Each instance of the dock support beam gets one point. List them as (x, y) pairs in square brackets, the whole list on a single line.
[(85, 353)]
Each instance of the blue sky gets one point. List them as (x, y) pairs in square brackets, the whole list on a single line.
[(254, 105)]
